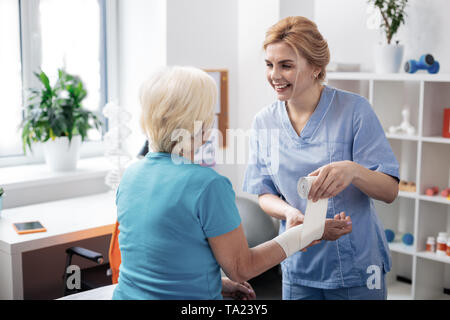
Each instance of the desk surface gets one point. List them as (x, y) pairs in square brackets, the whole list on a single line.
[(65, 220)]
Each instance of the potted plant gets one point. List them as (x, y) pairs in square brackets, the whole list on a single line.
[(389, 55), (55, 116)]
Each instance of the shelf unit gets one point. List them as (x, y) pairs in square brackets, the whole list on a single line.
[(424, 158)]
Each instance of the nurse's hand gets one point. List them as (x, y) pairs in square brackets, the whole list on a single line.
[(331, 180), (337, 227), (294, 217), (237, 291)]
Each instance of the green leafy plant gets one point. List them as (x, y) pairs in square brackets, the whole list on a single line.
[(393, 15), (1, 191), (57, 111)]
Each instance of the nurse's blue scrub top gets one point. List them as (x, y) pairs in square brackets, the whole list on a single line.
[(343, 127)]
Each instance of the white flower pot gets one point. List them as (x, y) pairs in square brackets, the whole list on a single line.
[(388, 58), (62, 156)]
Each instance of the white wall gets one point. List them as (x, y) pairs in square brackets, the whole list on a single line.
[(142, 49), (303, 8), (344, 24), (255, 17), (204, 34)]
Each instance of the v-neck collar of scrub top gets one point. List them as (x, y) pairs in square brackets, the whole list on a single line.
[(313, 123)]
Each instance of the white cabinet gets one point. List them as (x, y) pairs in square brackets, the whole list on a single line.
[(424, 158)]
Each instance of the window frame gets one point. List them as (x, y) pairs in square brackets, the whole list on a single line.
[(30, 50)]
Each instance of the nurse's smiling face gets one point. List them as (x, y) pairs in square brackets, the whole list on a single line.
[(287, 72)]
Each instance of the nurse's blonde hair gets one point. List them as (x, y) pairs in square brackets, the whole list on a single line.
[(175, 98), (303, 36)]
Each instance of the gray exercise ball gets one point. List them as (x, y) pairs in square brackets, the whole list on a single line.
[(258, 226)]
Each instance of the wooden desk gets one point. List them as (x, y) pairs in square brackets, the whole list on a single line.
[(65, 220)]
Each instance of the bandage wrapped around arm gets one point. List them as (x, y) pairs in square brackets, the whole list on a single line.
[(290, 240)]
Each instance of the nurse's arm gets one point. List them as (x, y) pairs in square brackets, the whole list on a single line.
[(241, 263), (375, 184), (333, 178), (280, 209)]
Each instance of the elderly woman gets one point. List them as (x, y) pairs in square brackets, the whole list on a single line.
[(178, 220)]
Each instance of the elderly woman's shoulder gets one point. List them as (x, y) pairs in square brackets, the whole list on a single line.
[(205, 177)]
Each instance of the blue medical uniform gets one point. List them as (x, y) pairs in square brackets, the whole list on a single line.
[(343, 127), (167, 209)]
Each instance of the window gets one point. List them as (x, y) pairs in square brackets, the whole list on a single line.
[(10, 79), (47, 35)]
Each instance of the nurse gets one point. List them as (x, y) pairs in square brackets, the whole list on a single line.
[(334, 135)]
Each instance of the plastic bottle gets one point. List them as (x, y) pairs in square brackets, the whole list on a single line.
[(441, 246), (431, 244), (448, 247)]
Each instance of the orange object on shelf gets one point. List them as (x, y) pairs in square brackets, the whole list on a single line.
[(446, 192), (432, 191), (446, 126), (407, 186)]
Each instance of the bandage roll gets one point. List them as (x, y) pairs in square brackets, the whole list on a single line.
[(315, 213), (304, 185), (299, 237)]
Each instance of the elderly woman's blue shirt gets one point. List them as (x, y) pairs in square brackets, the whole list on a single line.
[(343, 127), (167, 209)]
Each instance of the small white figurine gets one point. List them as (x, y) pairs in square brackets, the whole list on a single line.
[(114, 141), (405, 127)]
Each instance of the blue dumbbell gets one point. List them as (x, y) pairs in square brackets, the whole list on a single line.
[(426, 62), (405, 238)]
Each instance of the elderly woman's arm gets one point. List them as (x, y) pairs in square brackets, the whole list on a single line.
[(240, 263)]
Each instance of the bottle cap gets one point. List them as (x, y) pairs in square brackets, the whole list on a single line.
[(443, 235), (430, 240)]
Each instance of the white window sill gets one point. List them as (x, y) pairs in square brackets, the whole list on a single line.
[(35, 175)]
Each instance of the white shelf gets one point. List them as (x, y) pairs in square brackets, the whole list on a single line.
[(437, 199), (440, 77), (433, 256), (402, 137), (399, 291), (436, 140), (406, 194), (401, 248), (424, 159), (406, 137), (414, 195)]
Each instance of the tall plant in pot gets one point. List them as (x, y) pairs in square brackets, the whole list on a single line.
[(56, 117), (389, 55)]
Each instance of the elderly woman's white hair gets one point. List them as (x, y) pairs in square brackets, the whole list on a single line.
[(172, 101)]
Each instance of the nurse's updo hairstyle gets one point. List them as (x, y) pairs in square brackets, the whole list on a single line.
[(303, 36), (175, 98)]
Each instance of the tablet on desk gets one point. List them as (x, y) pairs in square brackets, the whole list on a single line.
[(28, 227)]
